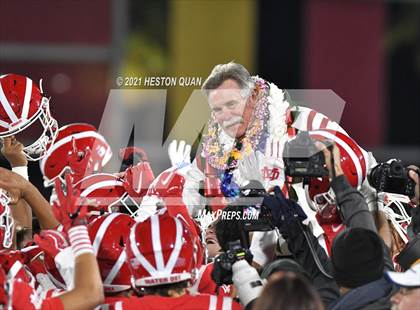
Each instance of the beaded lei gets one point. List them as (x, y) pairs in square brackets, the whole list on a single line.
[(255, 138)]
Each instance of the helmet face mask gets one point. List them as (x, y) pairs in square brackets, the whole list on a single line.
[(38, 149), (396, 209), (22, 107), (325, 204)]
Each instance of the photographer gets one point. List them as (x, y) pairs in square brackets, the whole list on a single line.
[(359, 256), (233, 266), (288, 217)]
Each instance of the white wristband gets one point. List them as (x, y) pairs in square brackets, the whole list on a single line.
[(22, 171), (79, 240)]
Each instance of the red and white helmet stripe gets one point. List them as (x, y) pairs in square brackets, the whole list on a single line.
[(355, 153), (162, 272)]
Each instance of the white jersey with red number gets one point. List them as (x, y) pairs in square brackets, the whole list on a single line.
[(186, 302)]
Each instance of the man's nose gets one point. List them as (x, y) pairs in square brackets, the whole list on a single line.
[(225, 115)]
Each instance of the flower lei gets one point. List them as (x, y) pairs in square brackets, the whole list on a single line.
[(218, 154)]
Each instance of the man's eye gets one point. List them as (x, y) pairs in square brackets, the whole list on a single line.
[(217, 110)]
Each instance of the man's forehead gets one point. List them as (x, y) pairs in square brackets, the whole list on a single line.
[(224, 95)]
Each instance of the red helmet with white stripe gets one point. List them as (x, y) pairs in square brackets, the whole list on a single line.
[(78, 148), (3, 288), (16, 293), (108, 235), (106, 193), (6, 222), (161, 250), (353, 160), (13, 264), (22, 104)]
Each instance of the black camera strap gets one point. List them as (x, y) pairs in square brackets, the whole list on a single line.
[(313, 252)]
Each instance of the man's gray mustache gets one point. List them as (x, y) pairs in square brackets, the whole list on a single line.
[(232, 121)]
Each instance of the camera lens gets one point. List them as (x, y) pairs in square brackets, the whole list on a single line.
[(397, 168)]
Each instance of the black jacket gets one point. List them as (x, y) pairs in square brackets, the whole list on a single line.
[(373, 296), (355, 213)]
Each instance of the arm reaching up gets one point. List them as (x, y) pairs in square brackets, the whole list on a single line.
[(19, 188)]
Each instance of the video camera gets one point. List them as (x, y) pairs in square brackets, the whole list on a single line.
[(392, 177), (302, 158)]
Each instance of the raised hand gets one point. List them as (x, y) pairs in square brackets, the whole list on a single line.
[(15, 185), (284, 211), (70, 210), (52, 241), (249, 168), (137, 179), (272, 164), (13, 151), (274, 153), (179, 154), (331, 152)]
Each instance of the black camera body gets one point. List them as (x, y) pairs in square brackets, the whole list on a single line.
[(222, 268), (392, 177), (302, 158), (251, 198)]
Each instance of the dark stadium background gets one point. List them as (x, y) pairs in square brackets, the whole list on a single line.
[(368, 52)]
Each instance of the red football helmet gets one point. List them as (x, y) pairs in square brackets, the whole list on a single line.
[(166, 189), (108, 193), (161, 250), (13, 265), (3, 288), (6, 222), (108, 234), (22, 103), (105, 193), (78, 148), (354, 163), (16, 293), (53, 272)]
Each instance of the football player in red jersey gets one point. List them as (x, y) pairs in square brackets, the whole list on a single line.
[(87, 291), (108, 234), (162, 257)]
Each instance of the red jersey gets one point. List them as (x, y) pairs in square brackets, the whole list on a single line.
[(185, 302), (204, 283)]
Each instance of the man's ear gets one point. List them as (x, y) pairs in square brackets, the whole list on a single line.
[(254, 94), (253, 98)]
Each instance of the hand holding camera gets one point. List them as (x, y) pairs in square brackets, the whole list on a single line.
[(222, 268), (284, 211), (414, 174), (393, 177)]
